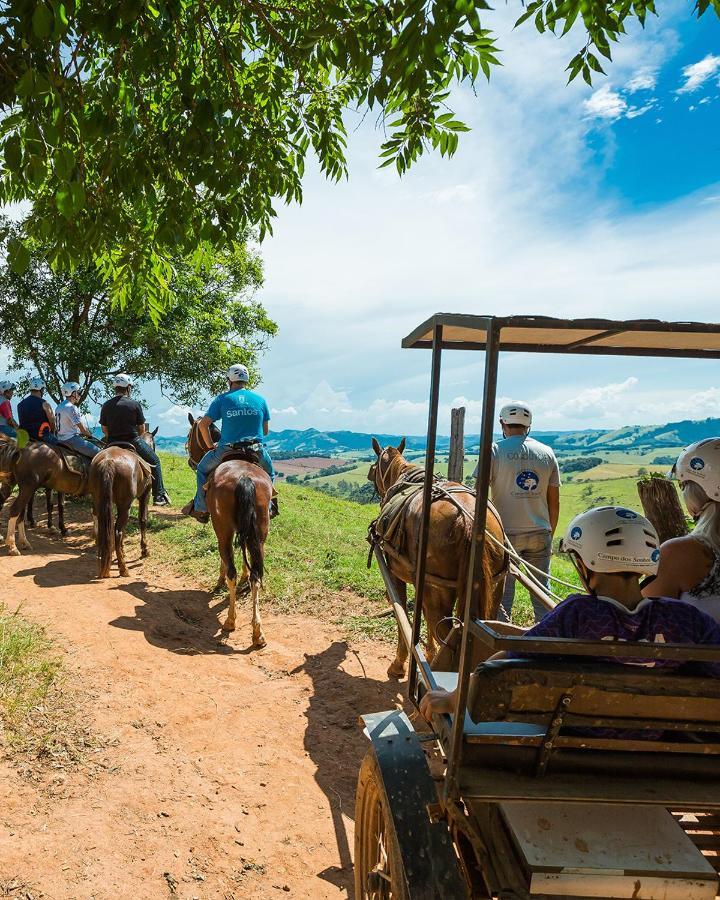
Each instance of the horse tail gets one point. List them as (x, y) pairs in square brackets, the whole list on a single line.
[(486, 599), (247, 533), (105, 525)]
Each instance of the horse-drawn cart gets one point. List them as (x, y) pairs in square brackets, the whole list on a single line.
[(513, 799)]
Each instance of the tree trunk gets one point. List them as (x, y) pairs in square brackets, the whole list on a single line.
[(457, 445), (661, 505)]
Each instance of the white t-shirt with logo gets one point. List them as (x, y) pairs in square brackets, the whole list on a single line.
[(67, 419), (522, 470)]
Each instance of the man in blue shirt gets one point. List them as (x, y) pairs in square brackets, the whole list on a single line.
[(244, 416)]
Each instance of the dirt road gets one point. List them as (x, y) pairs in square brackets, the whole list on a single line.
[(219, 771)]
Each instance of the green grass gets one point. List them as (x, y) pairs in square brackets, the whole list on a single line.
[(28, 671)]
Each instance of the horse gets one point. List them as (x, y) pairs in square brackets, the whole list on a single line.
[(37, 466), (448, 549), (118, 475), (238, 500)]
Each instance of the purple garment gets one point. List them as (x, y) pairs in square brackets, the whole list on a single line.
[(655, 621)]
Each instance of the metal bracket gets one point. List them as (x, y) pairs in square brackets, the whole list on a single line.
[(546, 748)]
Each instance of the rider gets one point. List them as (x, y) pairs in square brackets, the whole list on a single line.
[(612, 548), (70, 426), (35, 414), (245, 417), (123, 421), (8, 425)]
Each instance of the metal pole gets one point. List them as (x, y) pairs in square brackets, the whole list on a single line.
[(475, 568), (427, 501)]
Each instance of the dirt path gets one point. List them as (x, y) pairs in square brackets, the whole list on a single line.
[(221, 772)]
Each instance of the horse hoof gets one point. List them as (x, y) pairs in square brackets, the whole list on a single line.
[(227, 627), (395, 670), (144, 554), (124, 573), (13, 551), (26, 546), (52, 530), (259, 642)]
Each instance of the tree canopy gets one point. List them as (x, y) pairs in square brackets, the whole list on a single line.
[(141, 130), (64, 326)]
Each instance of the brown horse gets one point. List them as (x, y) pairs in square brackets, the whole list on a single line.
[(448, 551), (238, 500), (118, 476), (36, 466)]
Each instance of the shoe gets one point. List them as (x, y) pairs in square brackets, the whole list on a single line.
[(162, 500), (189, 510)]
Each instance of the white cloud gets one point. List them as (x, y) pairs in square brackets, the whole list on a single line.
[(642, 80), (605, 103), (698, 73), (456, 193), (596, 402), (287, 411), (176, 414), (635, 111)]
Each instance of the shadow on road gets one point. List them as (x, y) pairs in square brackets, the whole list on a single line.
[(334, 741), (181, 621)]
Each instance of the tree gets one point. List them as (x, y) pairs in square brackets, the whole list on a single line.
[(140, 130), (64, 326)]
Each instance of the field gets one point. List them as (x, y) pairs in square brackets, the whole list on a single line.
[(304, 465)]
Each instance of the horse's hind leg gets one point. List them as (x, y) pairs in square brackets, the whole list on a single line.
[(396, 669), (17, 513), (221, 579), (23, 542), (227, 557), (143, 517), (439, 604), (61, 514), (121, 521), (258, 636), (29, 514), (49, 508)]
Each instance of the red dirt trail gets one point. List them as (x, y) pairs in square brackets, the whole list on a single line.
[(219, 771)]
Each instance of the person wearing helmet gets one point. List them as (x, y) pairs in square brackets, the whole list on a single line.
[(689, 567), (8, 425), (35, 414), (244, 416), (123, 421), (71, 430), (525, 488), (611, 548)]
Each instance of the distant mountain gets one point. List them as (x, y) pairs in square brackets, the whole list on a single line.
[(630, 437)]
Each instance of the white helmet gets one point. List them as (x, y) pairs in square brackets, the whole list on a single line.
[(123, 380), (238, 372), (37, 384), (516, 413), (7, 386), (69, 388), (613, 539), (700, 462)]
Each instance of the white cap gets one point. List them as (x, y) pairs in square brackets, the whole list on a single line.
[(238, 372), (123, 380), (700, 462), (69, 388), (613, 539), (7, 386), (516, 413), (37, 384)]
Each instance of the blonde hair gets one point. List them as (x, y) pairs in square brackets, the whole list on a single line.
[(707, 524)]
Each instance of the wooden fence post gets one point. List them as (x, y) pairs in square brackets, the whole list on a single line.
[(661, 505), (456, 458)]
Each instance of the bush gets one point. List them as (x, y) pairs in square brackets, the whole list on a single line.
[(580, 463)]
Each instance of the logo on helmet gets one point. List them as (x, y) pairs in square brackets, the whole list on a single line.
[(697, 464), (576, 533), (655, 555), (528, 481), (626, 514)]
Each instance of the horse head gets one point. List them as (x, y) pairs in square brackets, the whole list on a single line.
[(385, 471), (196, 446)]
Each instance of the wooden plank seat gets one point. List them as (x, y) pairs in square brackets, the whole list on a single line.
[(578, 716)]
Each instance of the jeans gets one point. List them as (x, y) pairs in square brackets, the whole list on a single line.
[(211, 460), (8, 430), (146, 452), (85, 448), (534, 547)]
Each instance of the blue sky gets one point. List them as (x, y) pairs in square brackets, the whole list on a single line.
[(562, 200)]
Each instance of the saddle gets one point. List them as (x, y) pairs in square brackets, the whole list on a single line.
[(126, 445), (246, 451), (76, 463)]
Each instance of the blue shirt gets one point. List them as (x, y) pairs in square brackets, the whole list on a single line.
[(242, 413)]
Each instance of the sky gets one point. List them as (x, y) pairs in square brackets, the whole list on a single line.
[(569, 201)]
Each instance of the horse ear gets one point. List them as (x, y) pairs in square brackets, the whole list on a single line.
[(401, 446), (376, 447), (191, 418), (157, 428)]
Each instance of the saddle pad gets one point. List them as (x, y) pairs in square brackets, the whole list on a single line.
[(76, 462)]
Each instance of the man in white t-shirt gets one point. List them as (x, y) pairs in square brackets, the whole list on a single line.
[(525, 488), (71, 429)]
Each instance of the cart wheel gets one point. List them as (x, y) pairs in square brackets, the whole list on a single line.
[(379, 870)]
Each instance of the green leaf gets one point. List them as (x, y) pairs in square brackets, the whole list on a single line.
[(13, 153), (42, 21), (64, 200), (18, 256)]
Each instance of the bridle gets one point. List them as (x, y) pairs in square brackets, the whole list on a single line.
[(376, 476)]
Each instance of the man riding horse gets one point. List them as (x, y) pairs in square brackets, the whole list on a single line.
[(123, 422), (71, 430), (8, 425), (245, 418), (35, 414)]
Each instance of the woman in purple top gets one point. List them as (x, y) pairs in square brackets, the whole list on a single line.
[(611, 548)]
